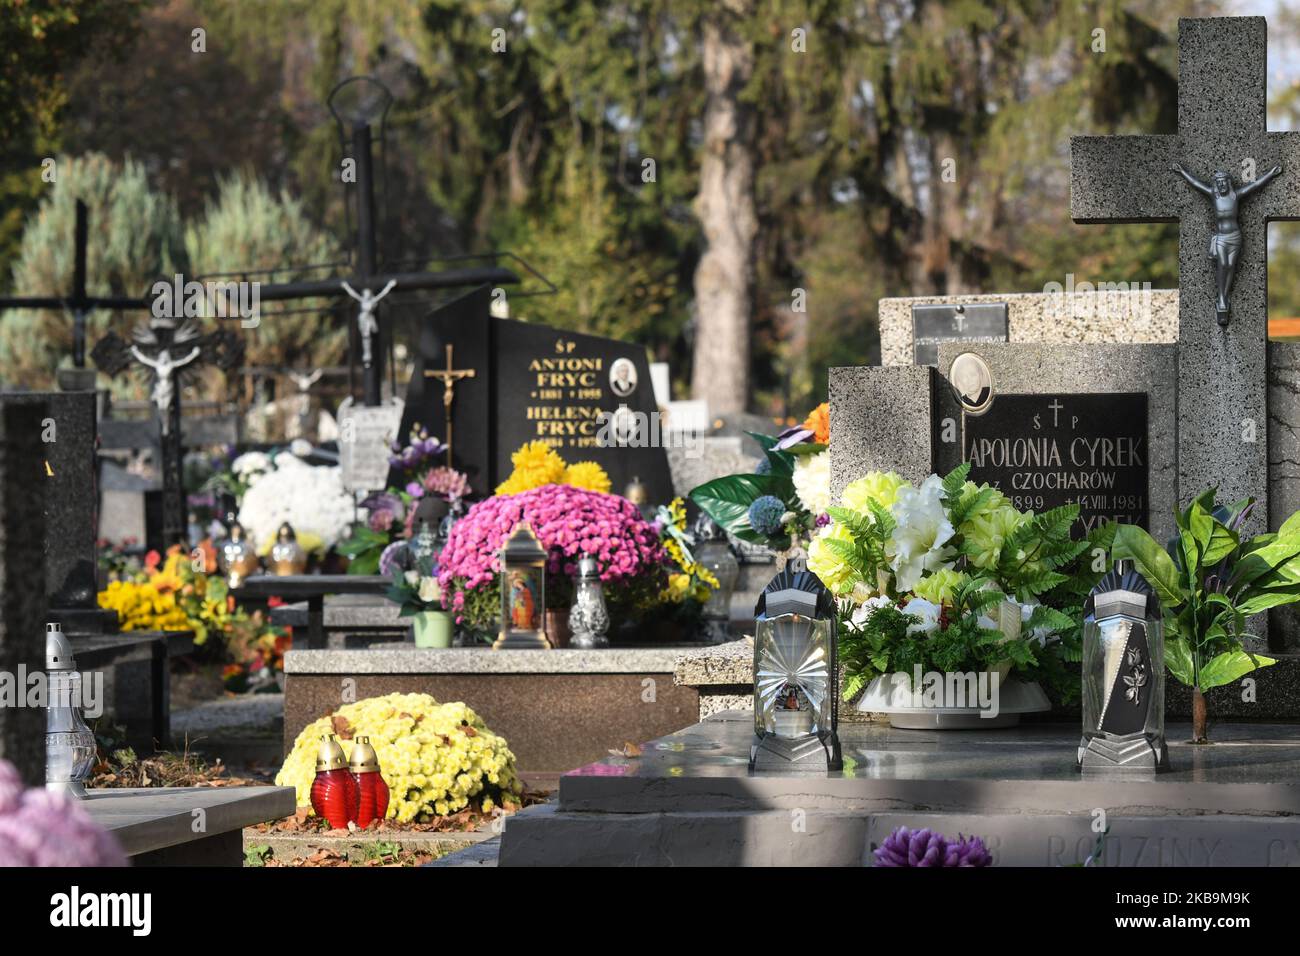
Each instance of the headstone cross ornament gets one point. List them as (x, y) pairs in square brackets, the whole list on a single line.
[(1222, 125), (1225, 240), (449, 376)]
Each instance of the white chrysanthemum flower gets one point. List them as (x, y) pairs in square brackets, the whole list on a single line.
[(812, 481), (311, 499), (923, 528), (251, 462)]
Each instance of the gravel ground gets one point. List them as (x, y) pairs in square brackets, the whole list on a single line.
[(253, 712)]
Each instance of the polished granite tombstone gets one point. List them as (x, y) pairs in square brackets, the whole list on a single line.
[(186, 826), (689, 799)]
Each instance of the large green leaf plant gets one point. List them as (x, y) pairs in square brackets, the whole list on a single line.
[(1210, 580)]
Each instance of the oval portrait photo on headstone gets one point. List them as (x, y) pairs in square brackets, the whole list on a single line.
[(973, 383), (622, 377)]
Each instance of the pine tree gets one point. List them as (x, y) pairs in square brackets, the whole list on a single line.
[(135, 238)]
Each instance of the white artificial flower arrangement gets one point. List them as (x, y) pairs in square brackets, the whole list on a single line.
[(950, 576), (311, 498), (250, 466)]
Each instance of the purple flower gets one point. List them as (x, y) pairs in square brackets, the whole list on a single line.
[(823, 520), (38, 828), (906, 847), (967, 851), (566, 520), (393, 555), (793, 436)]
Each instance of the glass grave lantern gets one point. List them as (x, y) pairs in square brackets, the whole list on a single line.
[(1123, 676), (523, 592), (795, 688), (69, 743)]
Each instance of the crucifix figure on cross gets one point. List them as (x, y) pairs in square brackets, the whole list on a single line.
[(1225, 241), (366, 323), (164, 366)]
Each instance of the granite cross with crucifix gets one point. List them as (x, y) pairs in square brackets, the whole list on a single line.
[(1222, 363)]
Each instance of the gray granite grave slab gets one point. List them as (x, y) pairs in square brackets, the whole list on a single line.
[(1104, 310), (482, 660), (689, 799), (1251, 769), (708, 457), (147, 821), (881, 419)]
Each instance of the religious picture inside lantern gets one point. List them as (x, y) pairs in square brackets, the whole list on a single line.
[(523, 600), (523, 591)]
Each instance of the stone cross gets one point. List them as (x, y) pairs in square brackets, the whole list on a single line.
[(1222, 369)]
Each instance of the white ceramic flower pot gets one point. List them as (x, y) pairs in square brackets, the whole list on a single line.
[(892, 695)]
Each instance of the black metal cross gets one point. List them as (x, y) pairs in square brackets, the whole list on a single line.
[(77, 302), (169, 352)]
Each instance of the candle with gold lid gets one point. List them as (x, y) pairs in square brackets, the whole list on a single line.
[(372, 792), (334, 793)]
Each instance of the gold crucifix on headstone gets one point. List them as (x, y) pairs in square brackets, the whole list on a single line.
[(449, 377)]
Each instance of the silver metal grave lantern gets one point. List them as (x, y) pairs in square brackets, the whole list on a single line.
[(1123, 676), (523, 592), (589, 618), (796, 708), (69, 743)]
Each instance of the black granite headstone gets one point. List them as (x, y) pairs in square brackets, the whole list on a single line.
[(532, 382), (975, 322), (66, 467), (22, 578), (1044, 451)]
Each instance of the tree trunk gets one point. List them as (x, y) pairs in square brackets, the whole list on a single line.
[(1200, 730), (724, 278)]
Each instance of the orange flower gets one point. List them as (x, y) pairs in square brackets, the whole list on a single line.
[(209, 555), (819, 423)]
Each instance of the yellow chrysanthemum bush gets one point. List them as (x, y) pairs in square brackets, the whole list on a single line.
[(537, 463), (587, 475), (436, 758), (143, 607)]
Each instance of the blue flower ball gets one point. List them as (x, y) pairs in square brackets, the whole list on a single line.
[(765, 514)]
